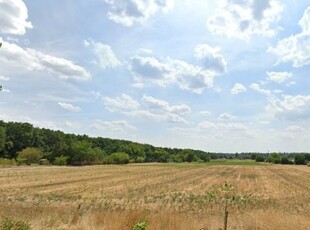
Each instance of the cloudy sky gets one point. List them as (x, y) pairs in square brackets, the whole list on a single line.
[(226, 76)]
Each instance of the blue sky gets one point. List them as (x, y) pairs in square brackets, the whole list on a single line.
[(225, 76)]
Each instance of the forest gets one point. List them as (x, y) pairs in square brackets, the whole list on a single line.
[(24, 143)]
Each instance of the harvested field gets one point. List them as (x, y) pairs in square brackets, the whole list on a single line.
[(168, 196)]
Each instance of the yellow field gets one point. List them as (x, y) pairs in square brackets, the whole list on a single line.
[(167, 196)]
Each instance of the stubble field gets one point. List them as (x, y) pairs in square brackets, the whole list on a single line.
[(167, 196)]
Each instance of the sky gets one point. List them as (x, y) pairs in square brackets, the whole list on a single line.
[(220, 76)]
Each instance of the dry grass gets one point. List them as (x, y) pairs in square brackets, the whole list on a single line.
[(167, 196)]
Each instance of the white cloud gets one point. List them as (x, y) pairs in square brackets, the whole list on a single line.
[(211, 58), (69, 107), (257, 88), (237, 88), (294, 128), (4, 90), (148, 115), (114, 126), (3, 78), (205, 113), (222, 126), (106, 58), (13, 17), (172, 71), (296, 48), (290, 108), (72, 125), (124, 102), (129, 12), (15, 57), (164, 106), (225, 117), (279, 77), (242, 19)]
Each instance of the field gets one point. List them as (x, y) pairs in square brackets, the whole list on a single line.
[(168, 196)]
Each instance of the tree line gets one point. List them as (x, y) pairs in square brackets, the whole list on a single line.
[(28, 144), (24, 143)]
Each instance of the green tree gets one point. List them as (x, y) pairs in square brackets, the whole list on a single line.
[(61, 160), (259, 158), (30, 155), (118, 158), (81, 153), (300, 159), (2, 141), (285, 160), (161, 155), (19, 135)]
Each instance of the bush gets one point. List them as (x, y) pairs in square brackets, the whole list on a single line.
[(259, 159), (10, 224), (140, 225), (30, 155), (118, 158), (62, 160), (300, 159), (6, 162), (140, 160), (285, 161)]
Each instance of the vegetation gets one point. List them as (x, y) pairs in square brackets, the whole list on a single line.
[(10, 224), (30, 155), (226, 196), (166, 195), (140, 225), (23, 143)]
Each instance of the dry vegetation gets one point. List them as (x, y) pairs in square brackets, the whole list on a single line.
[(168, 196)]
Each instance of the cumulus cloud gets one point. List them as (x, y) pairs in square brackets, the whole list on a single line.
[(211, 58), (290, 108), (237, 88), (151, 109), (69, 107), (258, 89), (205, 113), (225, 117), (3, 78), (164, 106), (294, 128), (114, 126), (13, 17), (153, 116), (129, 12), (16, 57), (124, 102), (296, 48), (105, 57), (172, 71), (206, 125), (242, 19), (279, 77)]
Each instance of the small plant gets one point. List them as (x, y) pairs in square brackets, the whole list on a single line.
[(10, 224), (140, 225), (225, 196), (62, 160)]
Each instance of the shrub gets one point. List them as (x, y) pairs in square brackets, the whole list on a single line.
[(30, 155), (43, 162), (300, 159), (140, 225), (10, 224), (285, 161), (62, 160), (140, 160), (259, 159), (118, 158), (6, 162)]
